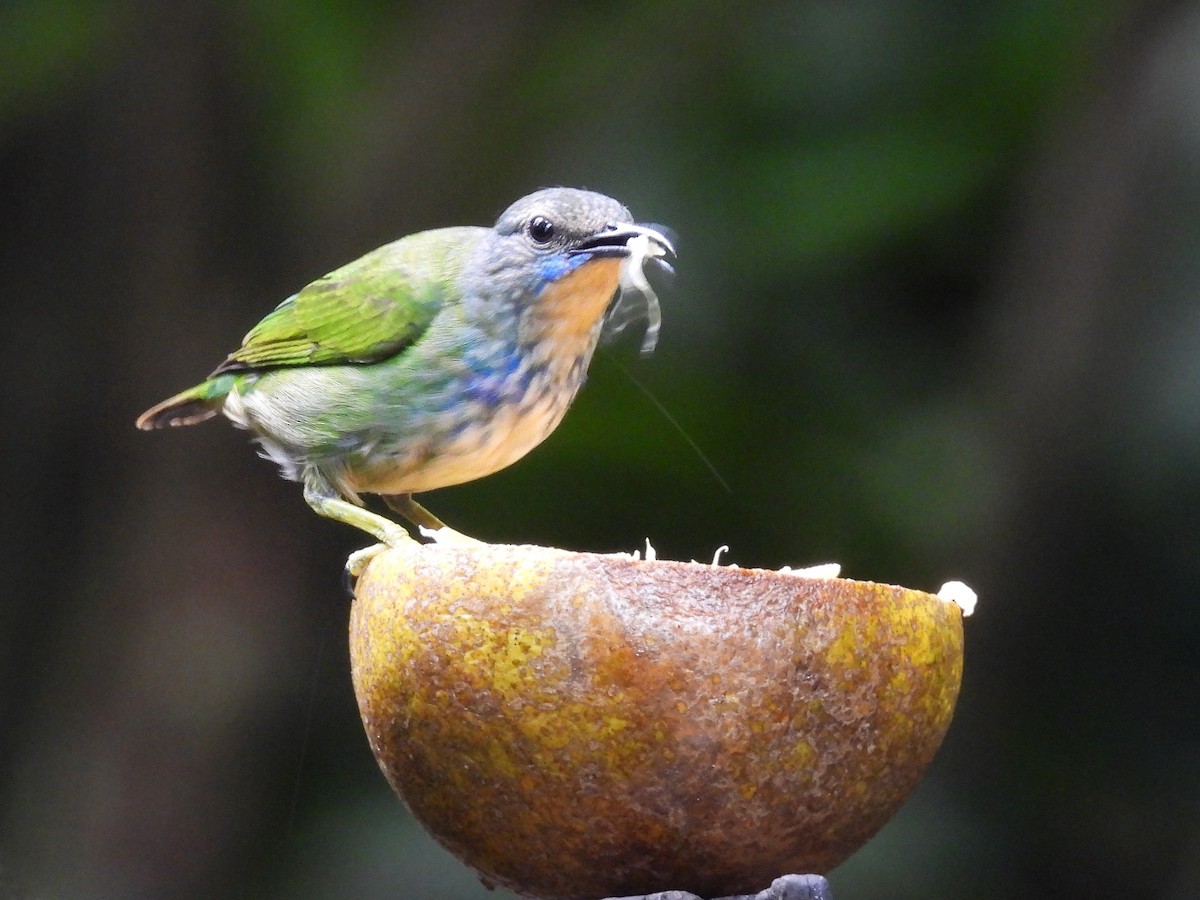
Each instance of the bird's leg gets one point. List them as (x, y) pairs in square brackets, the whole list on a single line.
[(427, 523), (325, 502), (413, 511)]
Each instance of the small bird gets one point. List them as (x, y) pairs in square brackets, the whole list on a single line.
[(433, 360)]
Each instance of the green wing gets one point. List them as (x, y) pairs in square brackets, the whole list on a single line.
[(365, 311)]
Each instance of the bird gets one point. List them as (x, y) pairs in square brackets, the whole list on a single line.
[(434, 360)]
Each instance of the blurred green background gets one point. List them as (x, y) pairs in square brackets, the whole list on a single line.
[(937, 316)]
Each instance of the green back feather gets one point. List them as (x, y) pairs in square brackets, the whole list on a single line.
[(365, 311)]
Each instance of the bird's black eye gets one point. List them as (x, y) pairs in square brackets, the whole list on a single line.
[(542, 229)]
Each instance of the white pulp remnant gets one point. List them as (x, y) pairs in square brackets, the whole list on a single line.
[(823, 570), (959, 594)]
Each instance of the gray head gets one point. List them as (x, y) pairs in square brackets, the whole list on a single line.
[(551, 232), (561, 216)]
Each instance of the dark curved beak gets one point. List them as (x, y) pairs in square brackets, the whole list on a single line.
[(613, 241)]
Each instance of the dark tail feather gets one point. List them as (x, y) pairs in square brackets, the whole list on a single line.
[(188, 407)]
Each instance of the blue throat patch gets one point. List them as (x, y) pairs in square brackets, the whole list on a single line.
[(555, 267)]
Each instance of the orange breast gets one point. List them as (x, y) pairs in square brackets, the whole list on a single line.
[(567, 311)]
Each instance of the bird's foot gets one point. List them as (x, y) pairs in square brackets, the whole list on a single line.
[(356, 562), (392, 536), (428, 525)]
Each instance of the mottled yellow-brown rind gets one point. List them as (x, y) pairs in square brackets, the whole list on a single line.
[(577, 726)]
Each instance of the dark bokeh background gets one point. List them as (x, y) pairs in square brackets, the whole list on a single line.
[(938, 315)]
